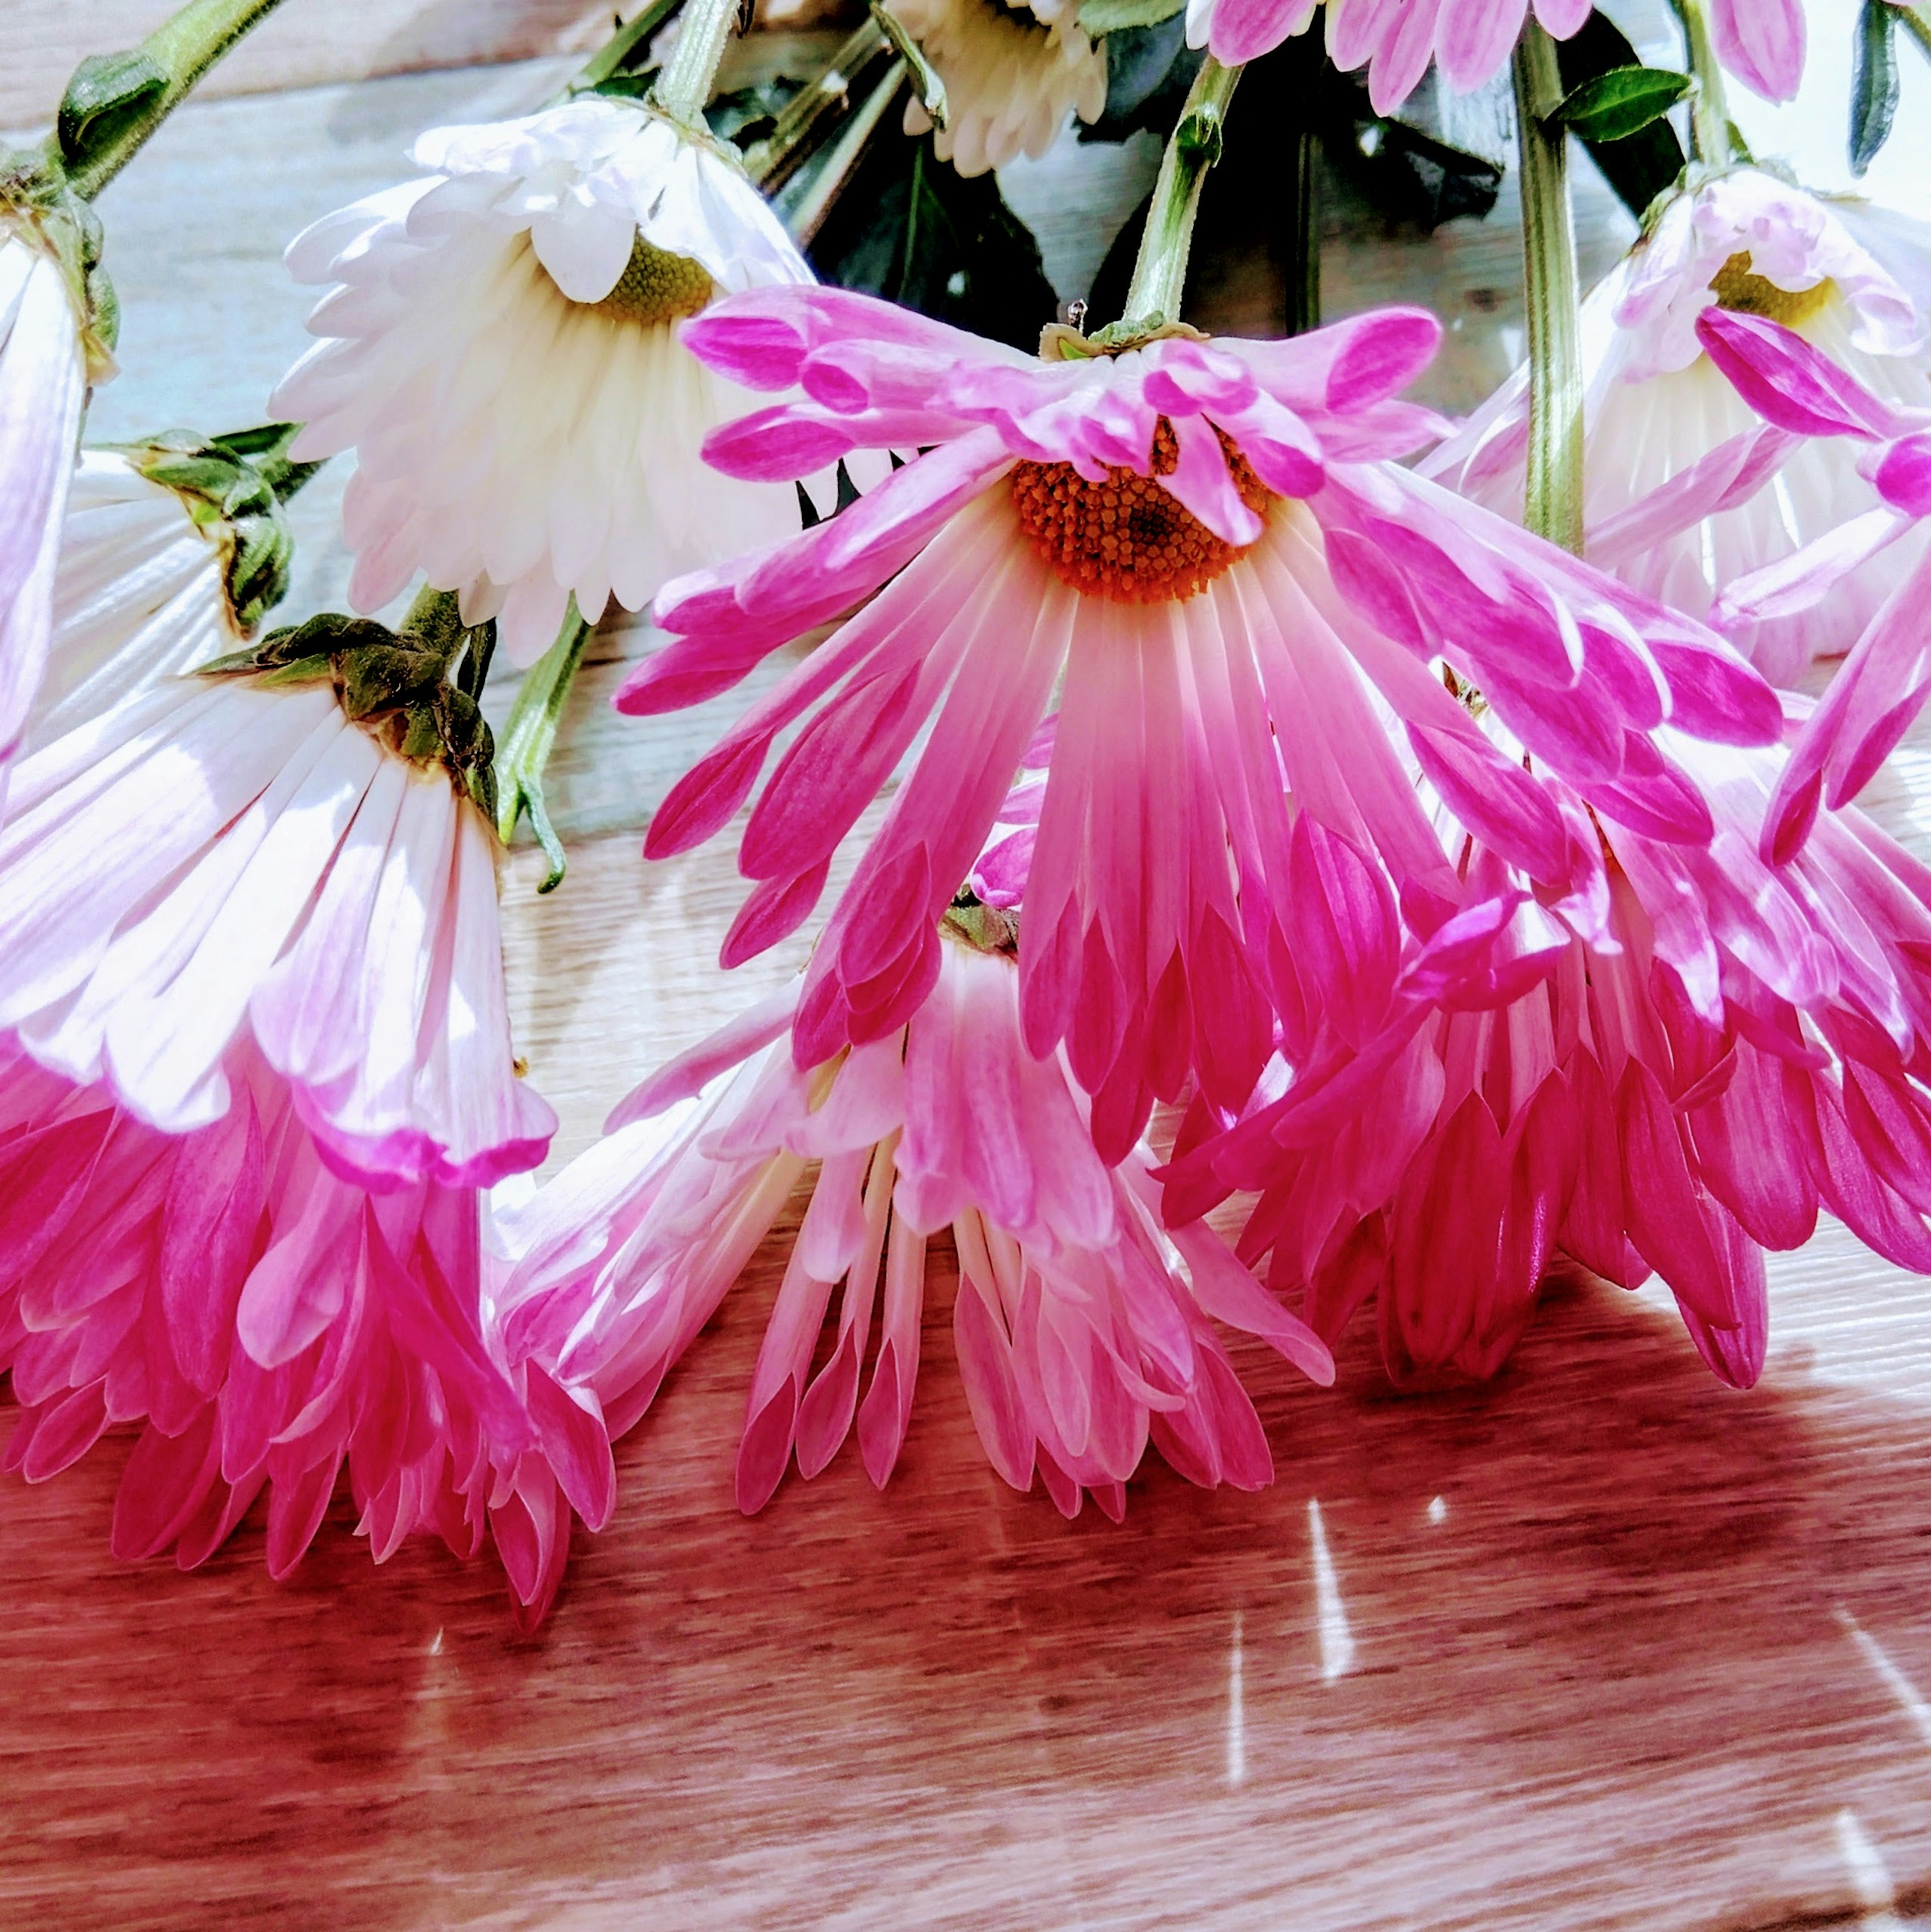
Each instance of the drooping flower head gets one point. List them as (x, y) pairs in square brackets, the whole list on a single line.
[(1682, 499), (1078, 1332), (255, 1069), (1674, 1084), (499, 352), (1259, 634), (1013, 74)]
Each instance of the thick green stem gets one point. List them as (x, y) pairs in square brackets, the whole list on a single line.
[(768, 162), (704, 30), (1160, 273), (615, 55), (1553, 498), (806, 199), (183, 48), (1709, 106), (1304, 237), (1917, 17), (528, 737)]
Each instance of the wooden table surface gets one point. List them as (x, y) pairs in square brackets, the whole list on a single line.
[(1600, 1644)]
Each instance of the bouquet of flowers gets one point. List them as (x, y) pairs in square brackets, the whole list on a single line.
[(1418, 846)]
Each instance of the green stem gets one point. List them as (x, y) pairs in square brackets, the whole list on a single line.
[(614, 56), (1918, 22), (806, 199), (769, 161), (183, 48), (704, 30), (1160, 273), (529, 737), (1304, 255), (1709, 106), (1553, 497)]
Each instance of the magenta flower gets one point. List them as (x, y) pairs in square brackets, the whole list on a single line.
[(1077, 1333), (1686, 491), (43, 384), (212, 862), (271, 1325), (1873, 701), (1258, 631), (1673, 1073)]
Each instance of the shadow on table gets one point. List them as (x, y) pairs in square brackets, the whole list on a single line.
[(1601, 1643)]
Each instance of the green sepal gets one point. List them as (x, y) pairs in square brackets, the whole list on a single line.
[(1099, 18), (396, 685), (36, 201), (106, 89), (986, 928), (1612, 107), (229, 484)]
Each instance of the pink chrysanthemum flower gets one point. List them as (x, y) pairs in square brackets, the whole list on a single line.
[(1682, 499), (43, 384), (1252, 625), (1759, 41), (270, 1325), (1077, 1334), (211, 863), (1674, 1072)]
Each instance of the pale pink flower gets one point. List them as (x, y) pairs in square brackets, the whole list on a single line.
[(270, 1325), (1760, 42), (1078, 1333), (1685, 493), (212, 862), (1674, 1072), (1873, 701), (1014, 75), (1247, 690), (43, 384), (499, 351)]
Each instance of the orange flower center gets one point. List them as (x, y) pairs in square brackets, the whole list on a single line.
[(1740, 288), (1126, 539)]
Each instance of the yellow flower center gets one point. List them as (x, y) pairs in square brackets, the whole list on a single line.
[(1740, 288), (656, 286), (1126, 539)]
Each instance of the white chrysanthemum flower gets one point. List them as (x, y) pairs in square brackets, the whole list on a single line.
[(1012, 75), (500, 351), (139, 595), (1854, 280)]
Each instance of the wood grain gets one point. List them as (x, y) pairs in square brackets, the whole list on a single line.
[(1603, 1645), (309, 42)]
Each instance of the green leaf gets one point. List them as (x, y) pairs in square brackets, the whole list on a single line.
[(1100, 17), (1874, 91), (109, 86), (1612, 107), (1639, 167)]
